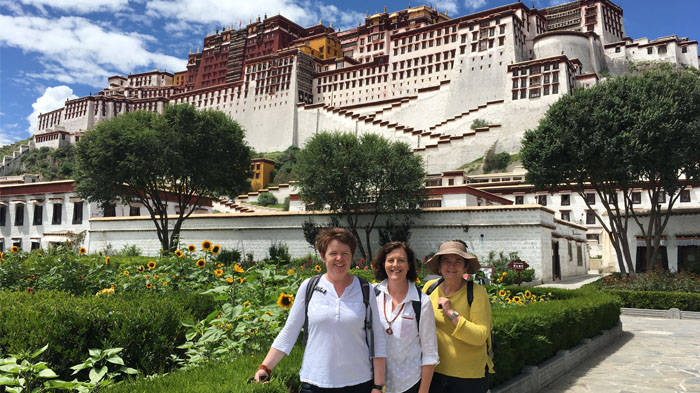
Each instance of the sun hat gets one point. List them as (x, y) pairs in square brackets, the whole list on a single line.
[(456, 248)]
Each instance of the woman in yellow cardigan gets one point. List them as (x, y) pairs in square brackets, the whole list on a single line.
[(462, 330)]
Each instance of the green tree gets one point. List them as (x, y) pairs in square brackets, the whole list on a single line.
[(178, 157), (632, 132), (355, 176)]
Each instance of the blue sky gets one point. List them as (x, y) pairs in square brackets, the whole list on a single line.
[(51, 50)]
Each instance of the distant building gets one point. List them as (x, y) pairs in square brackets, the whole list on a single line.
[(415, 75), (260, 171)]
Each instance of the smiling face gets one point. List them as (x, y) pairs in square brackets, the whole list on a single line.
[(337, 258), (452, 267), (396, 264)]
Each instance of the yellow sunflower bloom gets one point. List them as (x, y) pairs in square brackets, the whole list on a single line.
[(501, 293), (246, 304), (178, 253), (508, 300), (237, 268), (206, 245), (549, 293), (216, 249), (516, 299), (149, 285), (14, 249), (317, 268), (155, 276), (126, 272), (201, 263), (268, 313), (528, 294), (285, 301), (141, 269), (165, 283), (290, 272), (241, 280), (191, 248), (151, 265), (229, 280), (83, 251), (418, 280), (218, 272), (107, 261)]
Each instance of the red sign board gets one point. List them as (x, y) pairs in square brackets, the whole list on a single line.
[(518, 265)]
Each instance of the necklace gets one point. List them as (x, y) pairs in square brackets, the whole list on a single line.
[(388, 330)]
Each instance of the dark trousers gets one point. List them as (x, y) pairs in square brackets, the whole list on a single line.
[(361, 388), (445, 384), (414, 388)]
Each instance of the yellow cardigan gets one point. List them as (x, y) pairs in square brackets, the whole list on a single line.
[(462, 349)]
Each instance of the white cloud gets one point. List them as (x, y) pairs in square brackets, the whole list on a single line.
[(225, 13), (552, 3), (78, 6), (474, 4), (53, 98), (447, 5), (74, 49), (11, 6), (343, 19)]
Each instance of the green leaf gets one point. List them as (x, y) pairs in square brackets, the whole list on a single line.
[(11, 368), (47, 373), (97, 374), (95, 353), (112, 351), (128, 370), (116, 360), (7, 381), (39, 352)]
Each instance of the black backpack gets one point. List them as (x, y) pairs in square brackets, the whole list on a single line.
[(470, 299), (369, 333)]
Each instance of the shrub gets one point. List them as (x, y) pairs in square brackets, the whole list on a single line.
[(147, 326), (479, 123), (279, 253), (285, 204), (266, 199), (229, 257), (500, 263), (496, 162), (657, 280), (658, 300)]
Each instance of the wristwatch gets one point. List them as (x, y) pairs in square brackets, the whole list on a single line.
[(378, 387), (454, 315)]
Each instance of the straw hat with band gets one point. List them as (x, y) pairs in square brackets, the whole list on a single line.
[(455, 248)]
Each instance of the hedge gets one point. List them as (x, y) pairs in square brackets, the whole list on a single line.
[(685, 301), (147, 326), (525, 336), (223, 377)]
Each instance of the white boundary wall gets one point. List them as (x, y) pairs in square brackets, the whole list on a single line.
[(528, 229)]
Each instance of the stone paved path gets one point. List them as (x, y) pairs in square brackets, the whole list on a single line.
[(651, 356)]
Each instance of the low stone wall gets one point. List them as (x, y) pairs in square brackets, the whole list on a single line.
[(527, 229)]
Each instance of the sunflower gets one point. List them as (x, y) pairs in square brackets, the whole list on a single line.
[(501, 293), (290, 272), (165, 283), (418, 280), (268, 313), (246, 304), (126, 272), (14, 249), (201, 263), (528, 294), (206, 245), (83, 251), (301, 267), (191, 248), (218, 272), (216, 249), (508, 300), (155, 276), (151, 265), (178, 253), (516, 299), (149, 285), (285, 301), (317, 268), (237, 268), (241, 280), (141, 269), (229, 280), (148, 276), (549, 293), (107, 261)]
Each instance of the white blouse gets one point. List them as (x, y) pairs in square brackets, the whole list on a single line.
[(407, 348), (336, 353)]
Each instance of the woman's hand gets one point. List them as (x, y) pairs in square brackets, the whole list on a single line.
[(261, 375), (446, 306)]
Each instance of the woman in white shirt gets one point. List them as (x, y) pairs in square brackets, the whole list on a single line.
[(411, 344), (337, 354)]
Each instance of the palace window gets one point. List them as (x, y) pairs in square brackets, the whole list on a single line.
[(590, 198), (685, 196), (19, 214), (542, 200), (519, 200), (38, 212), (566, 216), (565, 199), (590, 217), (636, 198), (78, 212)]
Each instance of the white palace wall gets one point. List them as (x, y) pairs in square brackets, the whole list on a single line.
[(528, 229)]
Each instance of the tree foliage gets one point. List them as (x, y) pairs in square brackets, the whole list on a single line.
[(178, 157), (50, 164), (353, 175), (631, 132)]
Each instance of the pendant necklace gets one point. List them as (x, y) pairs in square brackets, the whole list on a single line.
[(389, 330)]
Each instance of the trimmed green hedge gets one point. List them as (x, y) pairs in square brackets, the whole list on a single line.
[(525, 335), (147, 326), (685, 301), (224, 377), (530, 335)]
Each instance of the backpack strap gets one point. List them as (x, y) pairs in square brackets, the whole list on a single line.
[(313, 281), (432, 288), (470, 292), (369, 333)]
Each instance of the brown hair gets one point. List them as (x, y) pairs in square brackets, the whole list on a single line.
[(380, 258), (342, 235)]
